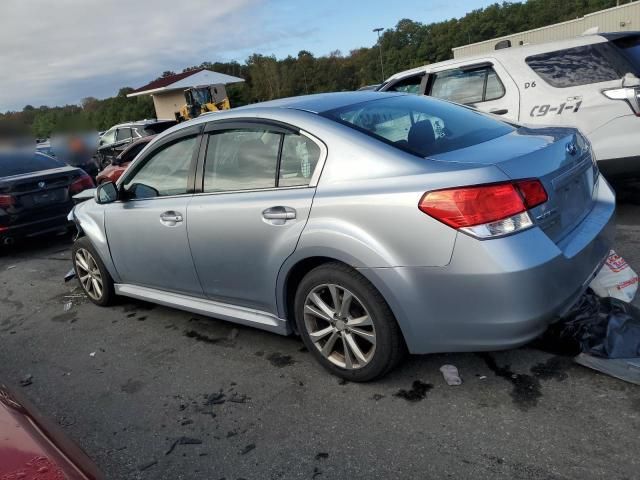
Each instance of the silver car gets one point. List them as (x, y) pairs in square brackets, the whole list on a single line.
[(369, 223)]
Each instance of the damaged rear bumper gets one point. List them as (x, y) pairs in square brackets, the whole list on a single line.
[(500, 293)]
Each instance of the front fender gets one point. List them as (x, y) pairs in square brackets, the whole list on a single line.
[(89, 219)]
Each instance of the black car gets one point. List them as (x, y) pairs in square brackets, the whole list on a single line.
[(117, 138), (36, 194)]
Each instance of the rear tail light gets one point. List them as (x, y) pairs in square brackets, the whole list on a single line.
[(628, 94), (486, 211), (532, 191), (81, 183), (7, 201)]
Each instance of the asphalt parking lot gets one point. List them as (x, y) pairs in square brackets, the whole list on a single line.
[(154, 393)]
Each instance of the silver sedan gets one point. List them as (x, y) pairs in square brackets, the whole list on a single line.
[(370, 224)]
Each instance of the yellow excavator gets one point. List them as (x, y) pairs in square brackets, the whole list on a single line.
[(207, 98)]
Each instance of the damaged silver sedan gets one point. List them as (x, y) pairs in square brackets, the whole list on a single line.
[(369, 223)]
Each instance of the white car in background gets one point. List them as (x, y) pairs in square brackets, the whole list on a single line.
[(589, 82)]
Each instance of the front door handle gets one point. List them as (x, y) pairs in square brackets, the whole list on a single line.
[(279, 215), (170, 218), (499, 111)]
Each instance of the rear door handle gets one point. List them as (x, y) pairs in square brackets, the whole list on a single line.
[(279, 215), (170, 218), (499, 111)]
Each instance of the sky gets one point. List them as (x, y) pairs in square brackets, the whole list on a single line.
[(56, 52)]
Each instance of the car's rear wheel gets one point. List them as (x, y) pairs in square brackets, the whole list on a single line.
[(346, 324), (91, 273)]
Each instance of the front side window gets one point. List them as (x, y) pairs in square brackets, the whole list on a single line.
[(467, 86), (165, 173), (420, 125), (243, 159), (108, 138), (600, 62), (408, 85)]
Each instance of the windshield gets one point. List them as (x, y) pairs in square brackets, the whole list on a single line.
[(201, 96), (631, 47), (420, 125), (21, 163)]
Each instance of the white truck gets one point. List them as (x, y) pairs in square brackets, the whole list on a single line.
[(589, 82)]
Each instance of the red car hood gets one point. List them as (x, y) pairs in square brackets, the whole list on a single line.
[(33, 448)]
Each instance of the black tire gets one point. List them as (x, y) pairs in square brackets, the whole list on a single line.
[(390, 347), (107, 296)]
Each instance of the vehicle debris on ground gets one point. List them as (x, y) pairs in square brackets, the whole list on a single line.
[(451, 375), (615, 279), (602, 329)]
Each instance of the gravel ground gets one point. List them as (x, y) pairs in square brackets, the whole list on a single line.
[(154, 393)]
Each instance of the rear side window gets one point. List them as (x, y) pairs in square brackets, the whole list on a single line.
[(467, 86), (300, 156), (420, 125), (21, 163), (241, 160), (631, 47), (123, 134), (247, 159), (572, 67)]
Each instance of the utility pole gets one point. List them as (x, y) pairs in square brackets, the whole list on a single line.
[(378, 30)]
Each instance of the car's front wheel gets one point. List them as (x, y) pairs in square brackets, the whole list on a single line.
[(91, 273), (346, 324)]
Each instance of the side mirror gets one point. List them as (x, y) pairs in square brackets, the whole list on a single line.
[(106, 193), (630, 80)]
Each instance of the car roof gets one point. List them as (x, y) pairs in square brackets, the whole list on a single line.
[(314, 104), (320, 102), (140, 140), (516, 52)]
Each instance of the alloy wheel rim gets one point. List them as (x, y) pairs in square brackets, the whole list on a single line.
[(89, 274), (340, 326)]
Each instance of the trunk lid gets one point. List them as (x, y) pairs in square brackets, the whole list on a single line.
[(39, 189), (559, 157)]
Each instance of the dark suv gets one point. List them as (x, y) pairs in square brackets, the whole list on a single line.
[(117, 138)]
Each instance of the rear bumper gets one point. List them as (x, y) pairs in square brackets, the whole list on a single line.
[(499, 293), (32, 229)]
